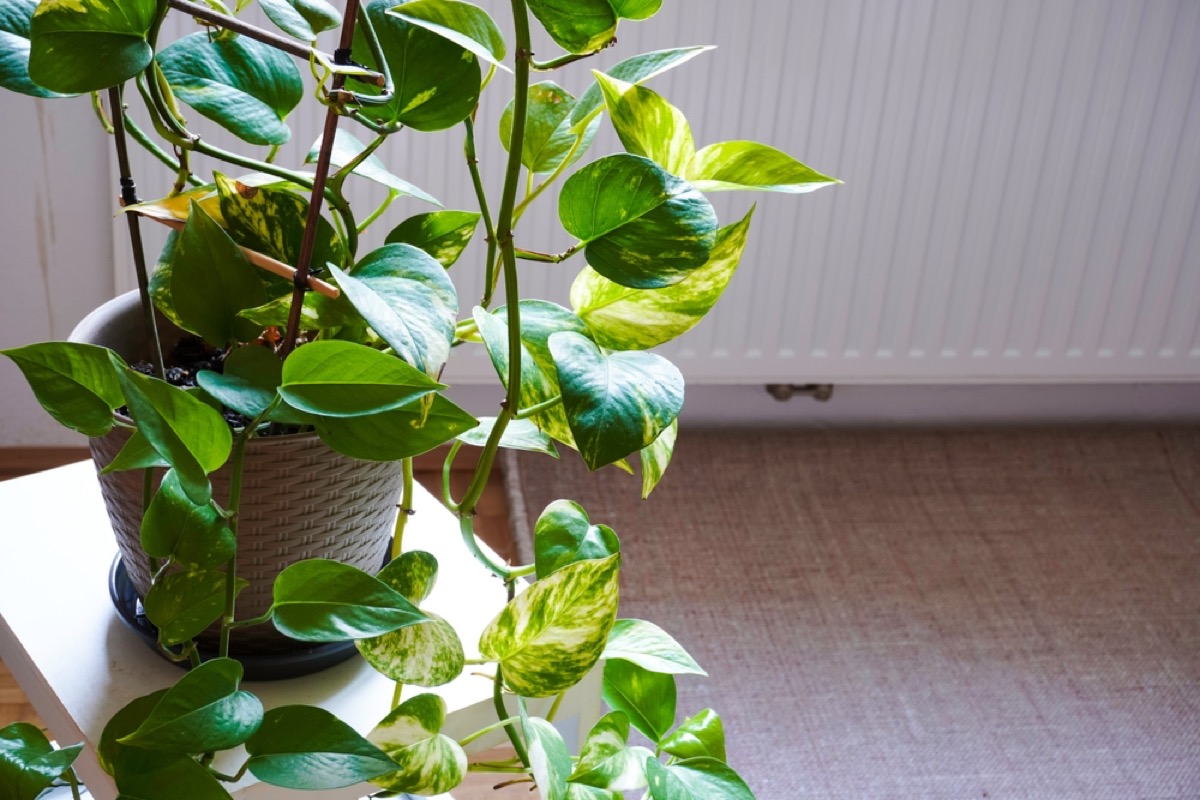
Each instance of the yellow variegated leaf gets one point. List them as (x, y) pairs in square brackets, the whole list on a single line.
[(430, 763)]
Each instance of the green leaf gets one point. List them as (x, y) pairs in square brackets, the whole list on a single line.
[(204, 711), (442, 234), (465, 24), (326, 601), (548, 139), (406, 296), (537, 385), (520, 434), (15, 17), (304, 747), (607, 762), (401, 433), (187, 433), (124, 722), (648, 125), (616, 404), (243, 85), (636, 9), (194, 536), (137, 453), (29, 763), (650, 647), (579, 791), (563, 535), (247, 385), (621, 318), (695, 779), (77, 384), (643, 227), (303, 19), (429, 763), (552, 634), (700, 736), (656, 456), (730, 166), (86, 45), (647, 698), (577, 26), (319, 313), (334, 378), (270, 220), (437, 81), (347, 147), (637, 69), (183, 604), (211, 281), (423, 655), (549, 759), (150, 775)]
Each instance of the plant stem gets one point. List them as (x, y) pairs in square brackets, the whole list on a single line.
[(466, 740), (534, 410), (553, 712), (147, 496), (489, 228), (502, 713), (235, 501), (447, 466), (74, 781), (467, 527), (547, 258), (406, 509), (234, 778), (98, 107), (558, 171), (129, 197), (151, 147), (570, 58)]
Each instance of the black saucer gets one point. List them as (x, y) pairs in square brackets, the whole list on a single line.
[(257, 667)]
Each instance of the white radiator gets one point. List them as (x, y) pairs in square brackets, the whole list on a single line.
[(1022, 185)]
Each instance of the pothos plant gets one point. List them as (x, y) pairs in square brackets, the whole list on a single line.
[(359, 361)]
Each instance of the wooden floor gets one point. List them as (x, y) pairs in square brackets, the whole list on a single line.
[(491, 525)]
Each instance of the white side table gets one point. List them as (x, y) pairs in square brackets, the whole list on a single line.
[(79, 664)]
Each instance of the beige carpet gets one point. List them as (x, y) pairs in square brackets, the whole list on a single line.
[(926, 615)]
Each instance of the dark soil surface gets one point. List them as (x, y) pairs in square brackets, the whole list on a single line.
[(190, 355)]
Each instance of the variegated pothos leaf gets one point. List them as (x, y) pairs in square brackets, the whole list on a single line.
[(656, 456), (429, 762)]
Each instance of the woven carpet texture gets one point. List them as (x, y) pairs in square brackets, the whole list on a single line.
[(919, 615)]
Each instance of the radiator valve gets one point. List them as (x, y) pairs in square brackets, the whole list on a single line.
[(786, 391)]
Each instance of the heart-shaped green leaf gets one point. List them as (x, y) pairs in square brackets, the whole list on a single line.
[(650, 647), (695, 779), (607, 761), (406, 296), (400, 433), (563, 535), (429, 763), (249, 381), (124, 722), (194, 536), (648, 125), (304, 747), (465, 24), (326, 601), (15, 17), (751, 166), (137, 453), (621, 318), (243, 85), (616, 404), (577, 26), (656, 456), (204, 711), (77, 384), (549, 758), (647, 698), (636, 70), (334, 378), (183, 604), (151, 775), (442, 234), (303, 19), (347, 148), (636, 9), (550, 635), (642, 226), (29, 763), (437, 81), (423, 655), (699, 736), (270, 220), (519, 434), (187, 433), (86, 45), (211, 281), (537, 385), (548, 140)]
